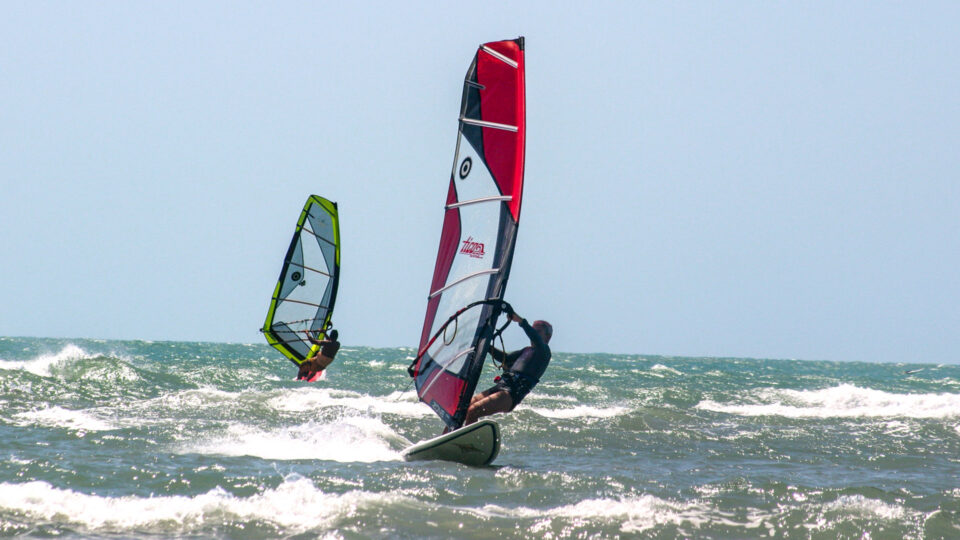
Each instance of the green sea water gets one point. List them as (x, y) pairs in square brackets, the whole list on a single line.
[(134, 439)]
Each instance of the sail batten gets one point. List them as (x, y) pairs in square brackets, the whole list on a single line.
[(319, 238), (481, 200), (493, 125), (458, 281), (321, 272), (499, 56), (311, 304), (479, 231)]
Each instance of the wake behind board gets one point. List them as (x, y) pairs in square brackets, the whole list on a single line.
[(477, 444)]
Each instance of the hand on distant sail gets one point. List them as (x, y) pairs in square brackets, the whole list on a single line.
[(312, 339)]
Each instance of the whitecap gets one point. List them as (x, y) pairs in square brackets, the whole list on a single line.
[(582, 411), (600, 372), (897, 428), (346, 439), (312, 399), (841, 401), (194, 398), (575, 385), (861, 506), (291, 506), (42, 364), (661, 367), (539, 398), (635, 514), (58, 417)]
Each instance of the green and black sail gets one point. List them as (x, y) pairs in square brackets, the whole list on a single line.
[(306, 291)]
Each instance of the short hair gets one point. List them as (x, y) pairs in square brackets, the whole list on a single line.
[(547, 328)]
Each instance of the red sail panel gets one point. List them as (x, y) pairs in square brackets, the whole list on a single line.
[(479, 232), (504, 104), (449, 240)]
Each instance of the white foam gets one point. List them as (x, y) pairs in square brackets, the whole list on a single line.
[(661, 367), (104, 374), (195, 398), (600, 372), (859, 505), (178, 407), (59, 417), (348, 439), (842, 401), (42, 364), (582, 411), (291, 506), (635, 514), (18, 461), (897, 428), (313, 398), (575, 385), (536, 397), (948, 382)]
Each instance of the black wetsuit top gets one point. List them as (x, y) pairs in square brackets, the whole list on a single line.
[(329, 348), (522, 369)]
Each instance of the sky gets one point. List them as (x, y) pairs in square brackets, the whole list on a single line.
[(726, 179)]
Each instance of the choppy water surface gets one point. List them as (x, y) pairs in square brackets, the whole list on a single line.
[(139, 439)]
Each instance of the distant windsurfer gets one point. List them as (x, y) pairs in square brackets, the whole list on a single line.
[(521, 371), (323, 357)]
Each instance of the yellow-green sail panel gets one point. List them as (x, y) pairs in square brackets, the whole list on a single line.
[(306, 291)]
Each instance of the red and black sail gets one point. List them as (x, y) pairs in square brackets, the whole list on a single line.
[(480, 221)]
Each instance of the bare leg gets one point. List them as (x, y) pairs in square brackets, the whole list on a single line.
[(499, 401), (473, 401), (311, 366), (481, 395), (304, 372)]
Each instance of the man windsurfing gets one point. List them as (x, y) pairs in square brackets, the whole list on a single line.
[(521, 371), (311, 367)]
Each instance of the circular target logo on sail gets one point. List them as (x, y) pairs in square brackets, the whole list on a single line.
[(473, 249), (465, 167)]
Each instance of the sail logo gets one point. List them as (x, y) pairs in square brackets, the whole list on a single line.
[(465, 167), (473, 249)]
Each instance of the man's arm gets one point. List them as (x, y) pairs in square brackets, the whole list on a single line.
[(506, 359), (535, 339), (312, 339)]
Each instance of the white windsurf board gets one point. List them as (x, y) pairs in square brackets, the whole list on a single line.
[(477, 444)]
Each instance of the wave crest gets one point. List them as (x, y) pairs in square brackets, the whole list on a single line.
[(845, 400)]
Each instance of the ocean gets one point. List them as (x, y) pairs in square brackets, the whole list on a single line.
[(139, 439)]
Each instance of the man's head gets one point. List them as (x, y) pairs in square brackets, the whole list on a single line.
[(332, 335), (545, 330)]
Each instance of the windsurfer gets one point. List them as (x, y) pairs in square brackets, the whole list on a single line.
[(521, 372), (322, 358)]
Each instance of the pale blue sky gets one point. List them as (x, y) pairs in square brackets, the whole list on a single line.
[(724, 179)]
